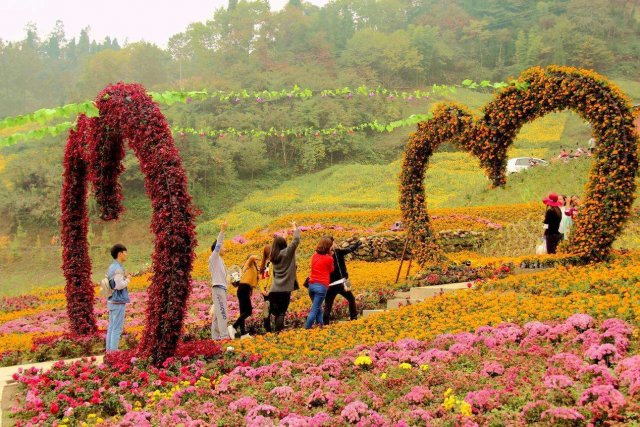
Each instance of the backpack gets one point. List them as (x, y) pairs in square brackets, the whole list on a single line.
[(106, 290)]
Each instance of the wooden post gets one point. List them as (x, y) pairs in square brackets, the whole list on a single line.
[(409, 268), (404, 251)]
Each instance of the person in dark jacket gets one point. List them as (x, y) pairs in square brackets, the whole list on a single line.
[(552, 219), (338, 278)]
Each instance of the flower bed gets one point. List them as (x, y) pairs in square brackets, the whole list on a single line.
[(561, 373)]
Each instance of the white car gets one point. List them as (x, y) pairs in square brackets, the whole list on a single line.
[(519, 164)]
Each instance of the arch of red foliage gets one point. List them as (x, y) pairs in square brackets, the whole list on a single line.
[(94, 153)]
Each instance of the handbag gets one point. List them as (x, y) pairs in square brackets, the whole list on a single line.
[(541, 249), (306, 283)]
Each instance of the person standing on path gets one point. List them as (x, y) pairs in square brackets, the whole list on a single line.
[(219, 328), (552, 219), (116, 303), (338, 278), (283, 280), (319, 279)]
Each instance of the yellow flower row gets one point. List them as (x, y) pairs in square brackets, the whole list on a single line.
[(450, 313)]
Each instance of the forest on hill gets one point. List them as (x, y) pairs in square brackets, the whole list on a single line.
[(396, 44)]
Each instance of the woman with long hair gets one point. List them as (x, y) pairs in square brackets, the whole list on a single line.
[(248, 281), (319, 280), (552, 219), (283, 280)]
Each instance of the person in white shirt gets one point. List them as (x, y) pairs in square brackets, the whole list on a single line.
[(219, 323)]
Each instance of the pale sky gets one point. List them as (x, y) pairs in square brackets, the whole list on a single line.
[(133, 20)]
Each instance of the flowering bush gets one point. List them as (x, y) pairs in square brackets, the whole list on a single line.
[(610, 192)]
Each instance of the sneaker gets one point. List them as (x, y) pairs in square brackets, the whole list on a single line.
[(232, 332), (246, 336)]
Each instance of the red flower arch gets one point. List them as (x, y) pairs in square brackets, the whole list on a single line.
[(611, 188), (94, 153)]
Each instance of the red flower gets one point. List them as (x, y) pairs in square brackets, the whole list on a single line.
[(55, 408)]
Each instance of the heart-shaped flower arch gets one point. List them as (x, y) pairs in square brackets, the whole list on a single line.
[(94, 153), (610, 192)]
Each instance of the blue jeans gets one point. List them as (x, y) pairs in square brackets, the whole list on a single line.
[(317, 292), (116, 323)]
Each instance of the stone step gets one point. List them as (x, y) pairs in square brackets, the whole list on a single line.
[(399, 302), (402, 295), (366, 313), (423, 292)]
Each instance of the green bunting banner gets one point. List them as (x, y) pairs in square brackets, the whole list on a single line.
[(46, 115), (304, 132)]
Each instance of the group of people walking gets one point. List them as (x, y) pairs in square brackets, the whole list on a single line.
[(558, 219), (275, 277)]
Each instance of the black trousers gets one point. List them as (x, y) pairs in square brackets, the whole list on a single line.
[(334, 291), (278, 306), (244, 301), (552, 242)]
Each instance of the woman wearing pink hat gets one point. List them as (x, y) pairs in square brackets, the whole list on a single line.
[(552, 219)]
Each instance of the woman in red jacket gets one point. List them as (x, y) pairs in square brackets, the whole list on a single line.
[(321, 269)]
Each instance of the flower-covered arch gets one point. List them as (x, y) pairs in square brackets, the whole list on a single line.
[(94, 153), (610, 191)]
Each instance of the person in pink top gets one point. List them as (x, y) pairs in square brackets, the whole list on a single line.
[(319, 280)]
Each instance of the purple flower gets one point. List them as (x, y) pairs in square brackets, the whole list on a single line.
[(282, 392), (419, 395), (581, 322), (243, 404), (565, 363), (602, 353), (483, 400), (536, 329), (492, 369), (604, 397), (598, 375), (354, 411), (458, 349), (294, 420), (557, 382), (240, 240), (556, 415)]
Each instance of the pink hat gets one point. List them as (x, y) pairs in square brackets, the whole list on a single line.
[(552, 200)]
